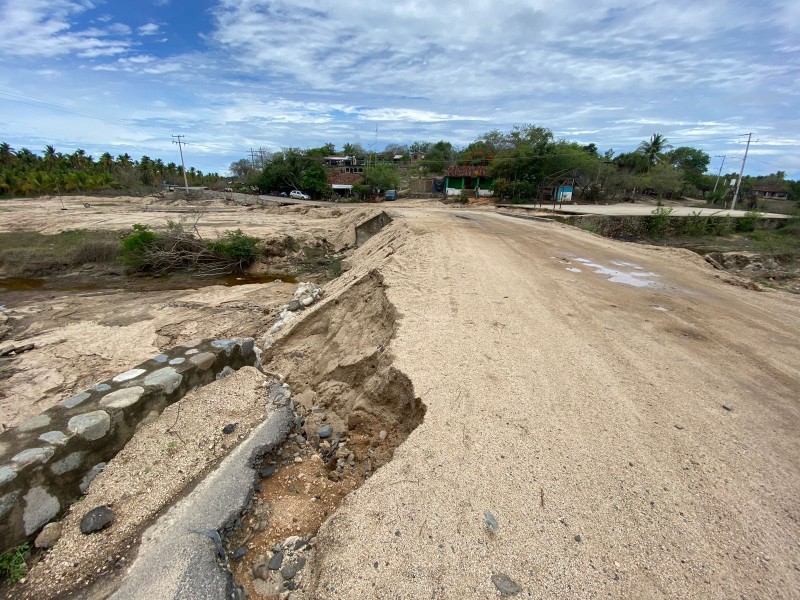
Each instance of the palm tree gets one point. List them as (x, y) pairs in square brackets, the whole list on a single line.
[(9, 182), (106, 161), (6, 154), (78, 158), (49, 156), (26, 157), (654, 149)]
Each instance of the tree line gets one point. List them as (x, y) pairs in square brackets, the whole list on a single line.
[(25, 173), (522, 163)]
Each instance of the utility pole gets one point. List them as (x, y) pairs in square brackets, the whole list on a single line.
[(181, 143), (722, 156), (741, 171)]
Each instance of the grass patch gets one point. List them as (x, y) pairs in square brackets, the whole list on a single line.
[(783, 241), (12, 564), (590, 227), (32, 254)]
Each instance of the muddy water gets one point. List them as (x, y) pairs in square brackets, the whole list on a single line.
[(17, 291)]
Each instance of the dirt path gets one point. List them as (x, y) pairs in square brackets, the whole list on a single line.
[(634, 441)]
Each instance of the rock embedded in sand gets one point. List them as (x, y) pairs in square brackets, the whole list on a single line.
[(97, 519), (289, 570), (325, 431), (275, 562), (49, 536), (506, 585)]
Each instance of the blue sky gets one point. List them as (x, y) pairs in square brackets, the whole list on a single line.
[(235, 74)]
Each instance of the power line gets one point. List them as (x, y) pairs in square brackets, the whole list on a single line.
[(181, 143), (41, 103)]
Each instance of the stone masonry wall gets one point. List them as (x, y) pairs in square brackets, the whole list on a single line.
[(49, 460)]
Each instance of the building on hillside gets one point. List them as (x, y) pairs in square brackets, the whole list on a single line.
[(472, 178), (342, 183), (340, 161), (764, 191)]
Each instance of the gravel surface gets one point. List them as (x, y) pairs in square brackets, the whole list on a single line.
[(553, 402)]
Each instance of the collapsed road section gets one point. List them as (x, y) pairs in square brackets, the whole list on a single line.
[(253, 465)]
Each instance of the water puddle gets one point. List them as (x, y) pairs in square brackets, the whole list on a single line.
[(636, 277), (139, 284), (660, 308), (13, 284), (574, 270)]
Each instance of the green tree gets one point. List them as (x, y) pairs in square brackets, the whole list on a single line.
[(354, 150), (692, 163), (439, 157), (654, 148), (314, 179), (664, 179), (50, 157), (383, 177), (7, 154)]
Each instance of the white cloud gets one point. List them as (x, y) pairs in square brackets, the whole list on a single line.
[(148, 29), (40, 28), (302, 72)]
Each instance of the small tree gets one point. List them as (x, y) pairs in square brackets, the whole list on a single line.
[(382, 177)]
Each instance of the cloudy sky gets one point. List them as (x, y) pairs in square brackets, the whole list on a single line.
[(232, 75)]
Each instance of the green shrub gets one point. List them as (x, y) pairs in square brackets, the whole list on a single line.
[(236, 246), (658, 223), (694, 224), (720, 225), (748, 222), (175, 248), (12, 564), (715, 197), (136, 246)]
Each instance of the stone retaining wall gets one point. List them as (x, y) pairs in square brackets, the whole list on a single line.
[(49, 460), (637, 226)]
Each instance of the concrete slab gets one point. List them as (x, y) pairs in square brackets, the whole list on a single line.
[(178, 556)]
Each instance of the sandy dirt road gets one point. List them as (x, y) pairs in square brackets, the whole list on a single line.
[(587, 414)]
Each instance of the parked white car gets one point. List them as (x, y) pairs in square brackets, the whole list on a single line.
[(298, 195)]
